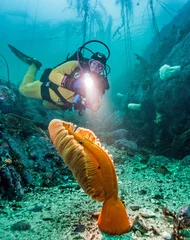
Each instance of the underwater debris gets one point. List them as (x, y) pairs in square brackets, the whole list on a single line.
[(184, 213), (139, 225), (180, 221)]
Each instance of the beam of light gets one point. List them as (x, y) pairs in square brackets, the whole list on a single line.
[(88, 80)]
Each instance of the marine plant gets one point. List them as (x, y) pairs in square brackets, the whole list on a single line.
[(154, 22), (181, 220), (94, 170), (91, 14), (126, 14), (7, 66)]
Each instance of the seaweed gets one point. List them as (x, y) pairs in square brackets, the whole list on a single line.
[(179, 141), (178, 223), (126, 14), (89, 15), (7, 66), (154, 22)]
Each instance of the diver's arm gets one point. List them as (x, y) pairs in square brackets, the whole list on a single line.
[(57, 74)]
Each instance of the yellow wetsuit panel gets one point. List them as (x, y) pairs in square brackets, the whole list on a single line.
[(57, 74)]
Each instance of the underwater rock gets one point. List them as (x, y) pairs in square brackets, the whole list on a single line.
[(177, 53), (118, 134), (186, 161), (167, 236), (27, 156), (146, 213), (80, 228), (36, 208), (23, 140), (21, 226), (134, 207), (158, 161), (166, 102), (125, 144), (11, 183), (169, 98), (7, 99), (45, 161), (35, 157), (111, 137), (95, 215), (17, 149)]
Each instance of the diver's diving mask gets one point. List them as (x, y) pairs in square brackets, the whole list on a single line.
[(96, 66)]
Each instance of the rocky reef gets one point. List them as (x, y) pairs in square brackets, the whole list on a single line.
[(27, 156), (163, 120)]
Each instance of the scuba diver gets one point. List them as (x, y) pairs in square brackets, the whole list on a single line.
[(77, 83)]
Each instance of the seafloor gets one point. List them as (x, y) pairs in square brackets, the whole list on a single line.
[(66, 212)]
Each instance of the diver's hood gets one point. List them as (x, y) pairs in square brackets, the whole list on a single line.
[(99, 57)]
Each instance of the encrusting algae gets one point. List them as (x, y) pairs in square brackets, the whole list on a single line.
[(94, 170)]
